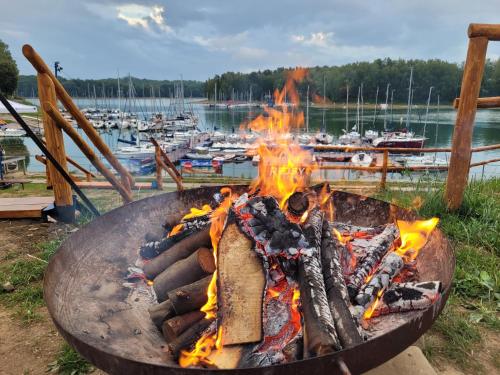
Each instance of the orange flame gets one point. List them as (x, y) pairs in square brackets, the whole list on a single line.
[(284, 166), (196, 212), (205, 345), (414, 236)]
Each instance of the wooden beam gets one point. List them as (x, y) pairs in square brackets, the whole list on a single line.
[(40, 66), (62, 123), (490, 31), (462, 133), (488, 102), (55, 144)]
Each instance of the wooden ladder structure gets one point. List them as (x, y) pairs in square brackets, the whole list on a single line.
[(469, 101)]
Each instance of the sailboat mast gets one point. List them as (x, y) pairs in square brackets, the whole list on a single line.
[(392, 102), (375, 108), (357, 111), (323, 126), (347, 110), (408, 111), (362, 111), (427, 112), (386, 104), (307, 110), (437, 123)]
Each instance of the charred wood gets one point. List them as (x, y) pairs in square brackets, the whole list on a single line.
[(320, 336), (152, 249), (189, 337), (189, 297), (198, 265), (161, 312), (402, 297), (298, 203), (378, 247), (179, 251), (336, 290), (173, 327)]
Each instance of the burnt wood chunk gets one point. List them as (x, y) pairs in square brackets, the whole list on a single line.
[(298, 203), (161, 312), (189, 337), (240, 288), (402, 297), (320, 336), (189, 297), (179, 251), (336, 290), (375, 251), (152, 249), (173, 327), (198, 265)]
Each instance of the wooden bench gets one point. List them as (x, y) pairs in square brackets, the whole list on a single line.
[(23, 208)]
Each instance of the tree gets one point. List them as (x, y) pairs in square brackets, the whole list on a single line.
[(8, 71)]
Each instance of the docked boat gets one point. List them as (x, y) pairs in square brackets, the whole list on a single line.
[(350, 137), (196, 156), (323, 138), (399, 140), (370, 135), (361, 159), (421, 161), (10, 132)]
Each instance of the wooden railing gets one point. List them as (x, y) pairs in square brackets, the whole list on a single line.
[(385, 167)]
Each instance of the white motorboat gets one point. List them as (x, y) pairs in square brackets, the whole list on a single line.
[(10, 132), (361, 160), (371, 134), (350, 138), (323, 138), (195, 156), (399, 139)]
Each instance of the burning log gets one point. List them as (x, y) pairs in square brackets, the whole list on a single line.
[(161, 312), (180, 250), (189, 297), (320, 336), (298, 203), (173, 327), (240, 288), (377, 248), (402, 297), (154, 248), (185, 271), (189, 336), (389, 267), (336, 291)]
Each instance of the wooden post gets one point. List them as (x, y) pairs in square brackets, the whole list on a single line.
[(159, 177), (55, 144), (462, 134), (385, 161), (490, 31), (61, 122), (72, 108)]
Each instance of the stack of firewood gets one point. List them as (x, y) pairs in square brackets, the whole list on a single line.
[(345, 274)]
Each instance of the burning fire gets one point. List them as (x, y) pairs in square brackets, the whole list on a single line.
[(284, 168), (414, 236)]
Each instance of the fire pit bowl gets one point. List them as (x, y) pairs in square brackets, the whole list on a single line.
[(94, 312)]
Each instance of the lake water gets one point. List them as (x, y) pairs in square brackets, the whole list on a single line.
[(486, 132)]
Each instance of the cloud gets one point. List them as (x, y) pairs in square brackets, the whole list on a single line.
[(144, 16), (318, 39)]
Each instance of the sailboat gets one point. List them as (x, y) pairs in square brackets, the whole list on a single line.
[(353, 136), (323, 137)]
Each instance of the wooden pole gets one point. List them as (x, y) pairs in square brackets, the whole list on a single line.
[(462, 134), (159, 177), (61, 122), (72, 108), (488, 102), (383, 179), (63, 195), (490, 31)]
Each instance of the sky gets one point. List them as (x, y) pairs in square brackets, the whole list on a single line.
[(164, 39)]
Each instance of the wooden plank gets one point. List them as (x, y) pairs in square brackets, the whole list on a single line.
[(490, 31), (19, 208), (488, 102), (240, 288), (458, 172), (107, 185)]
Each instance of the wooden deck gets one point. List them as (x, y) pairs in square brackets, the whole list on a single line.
[(23, 208)]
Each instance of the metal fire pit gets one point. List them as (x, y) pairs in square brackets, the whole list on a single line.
[(94, 313)]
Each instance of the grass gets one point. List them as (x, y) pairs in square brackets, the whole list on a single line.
[(26, 276), (475, 300), (69, 362)]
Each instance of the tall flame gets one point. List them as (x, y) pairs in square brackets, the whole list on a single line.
[(284, 165)]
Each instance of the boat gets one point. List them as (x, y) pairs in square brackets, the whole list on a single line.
[(323, 138), (361, 159), (135, 152), (370, 135), (399, 140), (304, 139), (349, 138), (421, 161), (256, 160), (196, 156), (240, 158), (11, 132)]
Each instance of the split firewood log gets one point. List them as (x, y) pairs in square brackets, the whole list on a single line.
[(160, 312), (180, 250), (189, 337), (378, 247), (320, 336), (189, 297), (336, 290), (198, 265), (402, 297), (240, 287), (173, 327)]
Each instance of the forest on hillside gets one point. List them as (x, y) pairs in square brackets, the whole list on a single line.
[(444, 76)]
